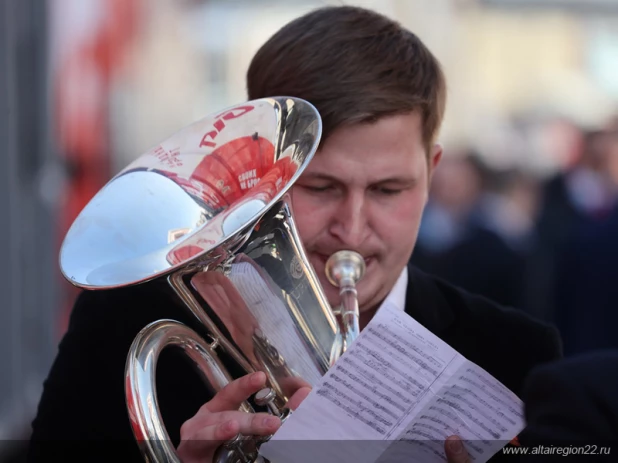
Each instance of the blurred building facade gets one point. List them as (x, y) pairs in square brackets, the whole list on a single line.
[(27, 278), (509, 70)]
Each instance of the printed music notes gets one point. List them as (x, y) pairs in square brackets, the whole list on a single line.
[(397, 394)]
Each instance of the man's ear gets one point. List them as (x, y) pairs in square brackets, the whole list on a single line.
[(434, 158)]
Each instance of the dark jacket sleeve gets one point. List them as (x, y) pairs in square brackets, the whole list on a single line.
[(82, 412), (574, 402), (521, 344), (506, 342)]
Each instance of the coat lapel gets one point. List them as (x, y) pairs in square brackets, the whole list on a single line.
[(427, 304)]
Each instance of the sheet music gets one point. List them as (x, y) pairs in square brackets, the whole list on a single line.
[(404, 390), (472, 405)]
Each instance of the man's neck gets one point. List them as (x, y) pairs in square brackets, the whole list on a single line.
[(366, 316), (396, 296)]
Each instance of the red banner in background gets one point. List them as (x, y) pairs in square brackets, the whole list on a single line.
[(89, 39)]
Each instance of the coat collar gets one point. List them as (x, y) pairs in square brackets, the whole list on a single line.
[(427, 303)]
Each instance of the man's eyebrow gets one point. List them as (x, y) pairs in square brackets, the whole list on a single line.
[(320, 176), (395, 181), (403, 181)]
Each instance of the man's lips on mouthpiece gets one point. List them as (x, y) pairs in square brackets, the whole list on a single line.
[(324, 257)]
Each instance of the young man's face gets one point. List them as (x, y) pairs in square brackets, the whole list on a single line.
[(365, 190)]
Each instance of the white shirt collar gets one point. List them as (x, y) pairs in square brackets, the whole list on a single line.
[(397, 296)]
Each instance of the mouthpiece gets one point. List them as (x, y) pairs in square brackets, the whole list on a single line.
[(345, 268)]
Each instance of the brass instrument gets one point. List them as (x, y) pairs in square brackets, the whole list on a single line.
[(208, 210)]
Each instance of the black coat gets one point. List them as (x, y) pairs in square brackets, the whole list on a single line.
[(574, 403), (82, 414), (585, 287)]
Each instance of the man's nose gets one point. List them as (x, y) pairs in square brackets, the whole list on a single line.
[(350, 223)]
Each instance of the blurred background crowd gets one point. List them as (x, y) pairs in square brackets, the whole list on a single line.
[(524, 207)]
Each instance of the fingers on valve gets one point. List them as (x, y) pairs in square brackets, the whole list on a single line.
[(247, 424), (233, 394)]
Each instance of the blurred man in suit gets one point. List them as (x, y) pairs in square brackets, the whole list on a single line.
[(574, 403)]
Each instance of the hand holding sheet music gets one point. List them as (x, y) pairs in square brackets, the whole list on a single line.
[(397, 393)]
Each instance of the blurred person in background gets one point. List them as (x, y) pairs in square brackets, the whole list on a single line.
[(513, 207), (612, 159), (474, 237), (585, 288), (576, 196), (572, 403)]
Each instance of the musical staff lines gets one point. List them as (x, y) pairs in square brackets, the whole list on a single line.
[(410, 354), (483, 407), (328, 391), (464, 399), (375, 388), (456, 406), (430, 359), (447, 429), (374, 379), (509, 407), (377, 406), (453, 417)]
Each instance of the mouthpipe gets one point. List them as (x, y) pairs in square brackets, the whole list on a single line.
[(343, 270)]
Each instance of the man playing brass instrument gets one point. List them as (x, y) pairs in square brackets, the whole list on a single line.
[(381, 95)]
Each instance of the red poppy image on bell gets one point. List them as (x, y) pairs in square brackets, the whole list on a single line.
[(277, 176), (225, 178), (234, 168), (248, 201)]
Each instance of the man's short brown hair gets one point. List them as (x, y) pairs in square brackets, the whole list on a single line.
[(354, 65)]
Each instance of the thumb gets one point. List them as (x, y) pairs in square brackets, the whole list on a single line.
[(455, 450)]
